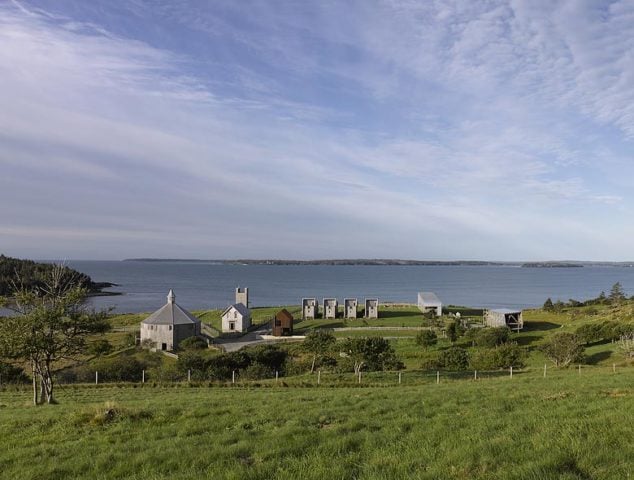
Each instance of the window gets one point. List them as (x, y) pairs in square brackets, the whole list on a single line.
[(232, 325), (170, 327), (278, 323), (235, 314)]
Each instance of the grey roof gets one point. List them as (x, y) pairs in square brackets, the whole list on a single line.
[(429, 298), (505, 311), (171, 314), (244, 311)]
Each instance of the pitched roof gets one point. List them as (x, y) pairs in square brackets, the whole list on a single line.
[(284, 314), (244, 311), (171, 314), (429, 297)]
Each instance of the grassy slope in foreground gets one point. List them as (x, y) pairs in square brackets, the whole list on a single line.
[(566, 427)]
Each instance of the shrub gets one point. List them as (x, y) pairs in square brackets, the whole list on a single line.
[(123, 368), (269, 356), (503, 356), (426, 338), (492, 337), (193, 343), (370, 354), (100, 347), (563, 348), (454, 358), (592, 332), (257, 371), (12, 374)]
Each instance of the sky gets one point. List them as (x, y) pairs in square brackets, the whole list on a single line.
[(483, 130)]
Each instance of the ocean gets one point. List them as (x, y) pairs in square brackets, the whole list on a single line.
[(144, 285)]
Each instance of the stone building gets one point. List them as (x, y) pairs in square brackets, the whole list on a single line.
[(242, 296), (309, 308), (371, 308), (169, 325), (350, 307), (331, 305), (504, 317)]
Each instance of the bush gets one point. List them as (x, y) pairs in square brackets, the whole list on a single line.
[(563, 348), (193, 343), (257, 371), (592, 332), (117, 369), (100, 347), (492, 337), (426, 338), (454, 358), (503, 356), (12, 374)]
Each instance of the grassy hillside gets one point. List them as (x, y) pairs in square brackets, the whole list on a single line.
[(563, 427)]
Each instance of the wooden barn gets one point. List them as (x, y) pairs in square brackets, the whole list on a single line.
[(282, 324)]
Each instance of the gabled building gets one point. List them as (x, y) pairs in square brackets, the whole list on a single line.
[(504, 317), (282, 324), (371, 308), (350, 307), (309, 308), (169, 325), (331, 305), (429, 302), (236, 318)]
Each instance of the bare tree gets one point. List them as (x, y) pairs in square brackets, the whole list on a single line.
[(51, 323)]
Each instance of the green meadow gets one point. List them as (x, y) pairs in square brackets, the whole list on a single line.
[(564, 426)]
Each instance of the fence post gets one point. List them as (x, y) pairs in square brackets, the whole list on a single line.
[(399, 378), (359, 376), (614, 368), (189, 375), (276, 376), (579, 369), (96, 378), (233, 377), (544, 370), (511, 371), (437, 377), (318, 377), (475, 374)]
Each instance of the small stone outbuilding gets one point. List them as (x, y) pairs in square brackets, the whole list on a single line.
[(169, 325), (504, 317), (236, 318), (331, 305), (309, 308), (371, 308), (350, 307), (282, 324), (429, 302)]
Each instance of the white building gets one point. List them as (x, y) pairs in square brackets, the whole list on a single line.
[(169, 325), (371, 308), (504, 317), (309, 308), (428, 301), (350, 307), (236, 318), (331, 305)]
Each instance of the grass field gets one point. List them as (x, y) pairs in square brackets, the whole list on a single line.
[(566, 426)]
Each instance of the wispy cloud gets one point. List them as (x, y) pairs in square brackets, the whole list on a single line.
[(400, 129)]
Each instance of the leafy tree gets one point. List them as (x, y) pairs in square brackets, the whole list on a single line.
[(491, 337), (591, 332), (617, 296), (51, 324), (373, 353), (12, 374), (454, 358), (319, 343), (563, 348), (452, 332), (506, 355), (426, 338), (548, 305)]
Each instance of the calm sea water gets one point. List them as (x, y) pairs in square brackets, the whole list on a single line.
[(205, 285)]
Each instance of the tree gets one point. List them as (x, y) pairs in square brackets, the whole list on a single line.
[(426, 338), (492, 337), (373, 353), (548, 305), (626, 345), (563, 348), (454, 358), (452, 332), (617, 296), (100, 347), (318, 342), (51, 324)]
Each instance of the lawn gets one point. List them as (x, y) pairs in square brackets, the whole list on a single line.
[(565, 426)]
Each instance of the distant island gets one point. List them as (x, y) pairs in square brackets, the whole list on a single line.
[(380, 261), (31, 274)]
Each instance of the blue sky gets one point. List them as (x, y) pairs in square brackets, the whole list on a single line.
[(499, 130)]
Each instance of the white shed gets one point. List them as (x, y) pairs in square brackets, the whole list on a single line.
[(331, 305), (236, 318), (428, 301), (309, 308), (504, 317)]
